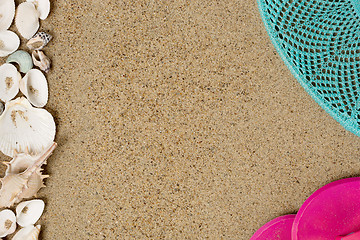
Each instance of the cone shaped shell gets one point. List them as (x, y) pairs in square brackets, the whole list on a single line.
[(39, 41), (28, 233), (42, 6), (7, 222), (9, 43), (7, 13), (27, 19), (23, 127), (34, 86), (9, 82), (29, 212)]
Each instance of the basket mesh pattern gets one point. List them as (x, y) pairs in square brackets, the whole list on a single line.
[(319, 42)]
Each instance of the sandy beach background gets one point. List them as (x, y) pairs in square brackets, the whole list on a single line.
[(178, 120)]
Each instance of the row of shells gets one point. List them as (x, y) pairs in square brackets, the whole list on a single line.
[(27, 130)]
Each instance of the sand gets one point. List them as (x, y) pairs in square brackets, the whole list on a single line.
[(178, 120)]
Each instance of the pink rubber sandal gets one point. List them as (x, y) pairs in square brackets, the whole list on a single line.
[(277, 229), (332, 212)]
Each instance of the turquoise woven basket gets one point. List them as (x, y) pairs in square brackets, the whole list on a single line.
[(320, 43)]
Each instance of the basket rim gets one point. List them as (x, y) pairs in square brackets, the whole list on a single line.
[(347, 124)]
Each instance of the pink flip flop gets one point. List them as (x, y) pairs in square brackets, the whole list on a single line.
[(277, 229), (332, 212)]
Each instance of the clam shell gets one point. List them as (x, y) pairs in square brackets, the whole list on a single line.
[(28, 233), (25, 127), (39, 41), (9, 43), (29, 212), (41, 60), (7, 13), (7, 222), (23, 59), (27, 19), (16, 187), (9, 82), (34, 86), (42, 6)]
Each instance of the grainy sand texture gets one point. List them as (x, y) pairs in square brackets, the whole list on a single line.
[(178, 120)]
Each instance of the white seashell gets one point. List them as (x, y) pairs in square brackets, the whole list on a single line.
[(9, 43), (41, 60), (7, 13), (18, 186), (9, 82), (42, 6), (7, 222), (39, 41), (28, 233), (23, 59), (25, 127), (27, 19), (29, 212), (34, 86)]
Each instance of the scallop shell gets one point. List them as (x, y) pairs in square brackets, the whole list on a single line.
[(23, 59), (29, 212), (27, 19), (9, 82), (7, 13), (9, 43), (16, 187), (42, 6), (34, 86), (41, 60), (28, 233), (39, 41), (25, 127), (7, 222)]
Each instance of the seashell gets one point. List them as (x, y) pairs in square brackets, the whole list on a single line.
[(39, 41), (28, 233), (9, 82), (25, 127), (7, 222), (7, 13), (23, 59), (29, 212), (27, 19), (41, 60), (2, 107), (16, 187), (19, 164), (34, 86), (42, 6), (9, 42)]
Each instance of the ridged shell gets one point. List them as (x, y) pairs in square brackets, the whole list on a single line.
[(41, 60), (34, 86), (29, 212), (23, 59), (28, 233), (27, 19), (25, 127), (9, 82), (7, 13), (42, 6), (9, 43), (7, 222), (16, 187), (39, 41)]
